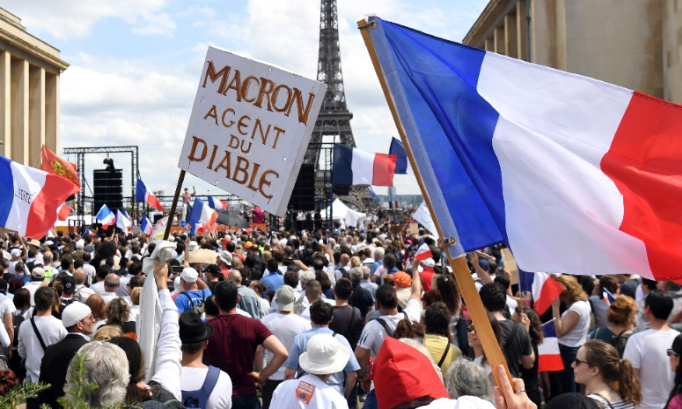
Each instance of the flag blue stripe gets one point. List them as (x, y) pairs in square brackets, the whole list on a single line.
[(397, 148), (343, 170), (433, 82), (7, 187), (140, 191)]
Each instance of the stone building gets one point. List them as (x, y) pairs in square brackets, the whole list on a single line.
[(632, 43), (29, 92)]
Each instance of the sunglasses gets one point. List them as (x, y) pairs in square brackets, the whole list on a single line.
[(471, 328), (578, 362), (671, 352)]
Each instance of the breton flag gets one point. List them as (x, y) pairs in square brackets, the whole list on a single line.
[(216, 204), (578, 176), (544, 287), (202, 214), (146, 225), (30, 198), (122, 221), (142, 194), (106, 216), (549, 355), (357, 167), (423, 252), (51, 163), (402, 165)]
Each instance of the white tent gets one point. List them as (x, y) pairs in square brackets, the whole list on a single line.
[(340, 210)]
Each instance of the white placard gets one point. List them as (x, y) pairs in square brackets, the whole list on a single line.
[(250, 127)]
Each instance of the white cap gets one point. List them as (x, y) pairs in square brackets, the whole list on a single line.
[(189, 274)]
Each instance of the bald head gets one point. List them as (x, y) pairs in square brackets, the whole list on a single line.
[(235, 276), (79, 276), (112, 282)]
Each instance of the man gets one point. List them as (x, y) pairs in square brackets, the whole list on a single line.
[(102, 272), (209, 386), (291, 278), (367, 284), (89, 269), (647, 351), (186, 198), (347, 318), (111, 285), (321, 314), (78, 320), (82, 292), (360, 298), (225, 262), (191, 298), (241, 336), (248, 299), (324, 357), (37, 278), (515, 342), (31, 345), (285, 325), (68, 289), (272, 277), (213, 276)]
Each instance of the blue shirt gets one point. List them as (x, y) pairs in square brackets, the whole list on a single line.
[(273, 281), (198, 297), (298, 346)]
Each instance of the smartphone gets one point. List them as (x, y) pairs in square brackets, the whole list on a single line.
[(176, 269)]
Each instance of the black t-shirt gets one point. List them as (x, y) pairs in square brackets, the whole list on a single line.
[(347, 322), (361, 299), (516, 346)]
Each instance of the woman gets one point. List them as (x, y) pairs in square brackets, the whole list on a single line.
[(99, 310), (608, 380), (571, 327), (118, 312), (621, 314), (476, 349), (326, 284), (530, 319), (675, 351), (449, 292), (438, 339)]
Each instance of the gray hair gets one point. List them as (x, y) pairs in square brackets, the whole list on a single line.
[(465, 378), (366, 272), (379, 251), (106, 365), (356, 274), (112, 280)]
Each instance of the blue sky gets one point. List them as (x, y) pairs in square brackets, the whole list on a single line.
[(135, 66)]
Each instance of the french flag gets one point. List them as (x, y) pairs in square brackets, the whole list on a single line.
[(423, 252), (63, 212), (106, 216), (217, 204), (357, 167), (30, 198), (142, 194), (578, 176), (146, 225), (549, 359), (122, 221), (608, 297), (544, 287), (402, 165), (202, 214)]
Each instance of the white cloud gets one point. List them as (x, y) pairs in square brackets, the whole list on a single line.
[(153, 24)]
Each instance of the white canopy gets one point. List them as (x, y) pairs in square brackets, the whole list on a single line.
[(340, 210)]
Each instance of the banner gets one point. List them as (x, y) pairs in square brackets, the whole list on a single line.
[(423, 217), (250, 127)]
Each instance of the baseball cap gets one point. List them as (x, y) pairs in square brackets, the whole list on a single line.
[(69, 284), (189, 274), (15, 253), (285, 298), (38, 272)]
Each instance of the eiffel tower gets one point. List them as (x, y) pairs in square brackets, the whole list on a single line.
[(334, 118)]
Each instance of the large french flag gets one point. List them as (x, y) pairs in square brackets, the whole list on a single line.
[(216, 203), (30, 198), (549, 359), (357, 167), (544, 288), (202, 214), (142, 194), (576, 175), (106, 216)]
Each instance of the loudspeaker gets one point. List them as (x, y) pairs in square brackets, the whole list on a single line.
[(108, 189), (303, 196)]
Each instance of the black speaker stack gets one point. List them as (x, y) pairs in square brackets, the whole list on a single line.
[(108, 188)]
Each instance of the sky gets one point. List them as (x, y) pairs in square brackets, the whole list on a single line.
[(135, 67)]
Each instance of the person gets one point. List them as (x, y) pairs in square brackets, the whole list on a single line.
[(191, 297), (674, 353), (438, 339), (39, 332), (248, 299), (571, 327), (599, 307), (195, 376), (476, 348), (111, 284), (647, 351), (621, 316), (186, 199), (245, 334), (285, 325), (37, 278), (527, 317), (78, 320), (261, 291), (323, 357), (465, 378), (608, 379), (347, 319)]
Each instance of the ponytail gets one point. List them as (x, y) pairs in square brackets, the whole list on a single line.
[(628, 384)]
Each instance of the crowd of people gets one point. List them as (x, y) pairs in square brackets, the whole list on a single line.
[(304, 320)]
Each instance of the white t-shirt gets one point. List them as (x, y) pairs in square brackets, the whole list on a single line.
[(647, 352), (578, 335), (374, 333), (192, 379), (307, 392), (51, 330), (285, 328)]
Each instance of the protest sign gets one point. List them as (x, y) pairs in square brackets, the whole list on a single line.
[(250, 127)]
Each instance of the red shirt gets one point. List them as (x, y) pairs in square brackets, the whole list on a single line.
[(233, 346), (426, 275)]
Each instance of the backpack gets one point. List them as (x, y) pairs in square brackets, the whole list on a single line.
[(198, 399), (383, 323), (617, 341), (197, 308)]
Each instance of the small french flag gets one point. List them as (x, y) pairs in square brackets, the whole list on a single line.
[(122, 221), (142, 194), (106, 216), (202, 214), (549, 354), (608, 297), (146, 226), (423, 252), (544, 287), (216, 204), (356, 167)]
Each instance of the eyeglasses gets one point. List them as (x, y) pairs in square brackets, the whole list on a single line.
[(471, 328), (671, 352), (578, 362)]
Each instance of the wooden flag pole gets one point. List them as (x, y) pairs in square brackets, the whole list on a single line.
[(174, 206), (459, 266)]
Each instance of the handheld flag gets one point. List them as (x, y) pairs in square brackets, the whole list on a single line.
[(544, 288), (402, 165), (423, 217), (216, 204), (106, 216), (122, 221), (30, 198), (591, 169), (423, 252), (202, 214), (88, 232), (51, 163), (357, 167), (608, 297), (63, 212), (549, 359), (146, 226), (142, 194)]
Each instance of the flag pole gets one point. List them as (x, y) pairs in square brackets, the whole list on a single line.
[(459, 266), (174, 206)]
